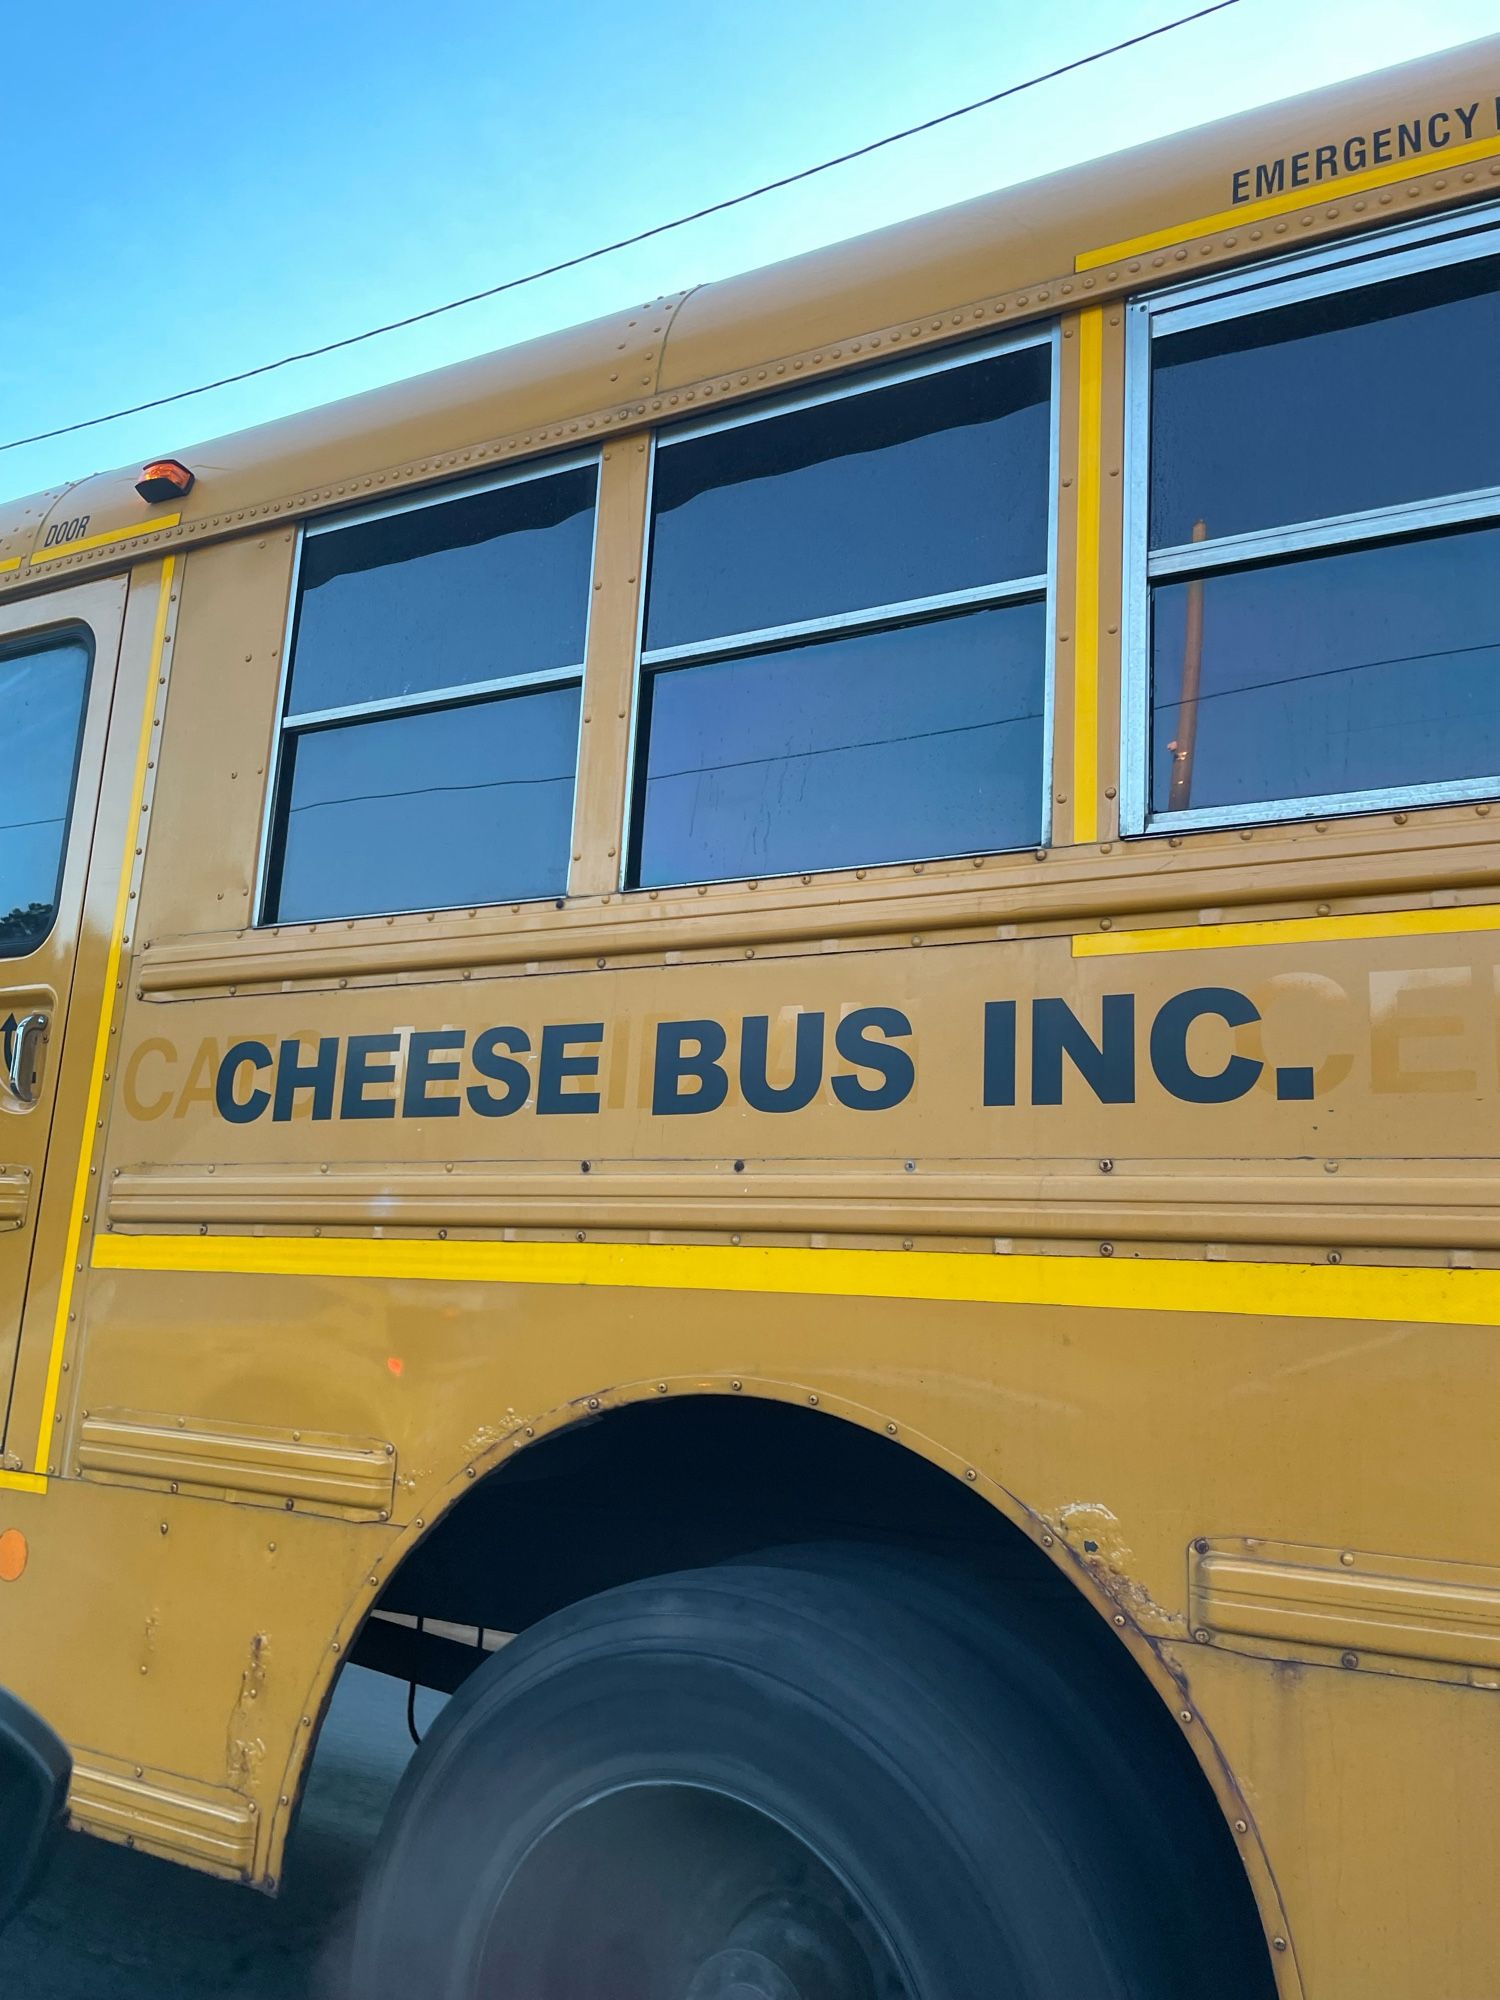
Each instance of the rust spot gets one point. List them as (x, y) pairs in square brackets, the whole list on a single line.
[(245, 1746), (1092, 1528), (14, 1555)]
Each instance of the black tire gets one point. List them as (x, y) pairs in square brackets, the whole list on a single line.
[(794, 1779), (1172, 1851)]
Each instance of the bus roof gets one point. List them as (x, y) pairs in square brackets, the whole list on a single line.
[(1093, 232)]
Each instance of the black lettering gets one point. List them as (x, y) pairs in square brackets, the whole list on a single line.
[(1409, 138), (556, 1065), (1380, 146), (241, 1111), (1327, 161), (1270, 177), (1433, 141), (1107, 1067), (316, 1076), (417, 1100), (1169, 1034), (1466, 118), (895, 1068), (999, 1051), (360, 1075), (502, 1069), (1239, 187), (1356, 154), (807, 1064), (675, 1066), (1300, 169)]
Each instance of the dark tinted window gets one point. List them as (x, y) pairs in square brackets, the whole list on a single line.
[(42, 696), (1358, 671), (881, 746), (927, 486), (444, 789), (1363, 398), (463, 590), (469, 804)]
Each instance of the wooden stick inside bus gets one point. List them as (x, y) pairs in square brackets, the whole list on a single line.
[(1180, 794)]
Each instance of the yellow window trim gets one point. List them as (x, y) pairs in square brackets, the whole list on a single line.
[(1287, 204), (1289, 930), (103, 538), (1427, 1295), (1086, 589)]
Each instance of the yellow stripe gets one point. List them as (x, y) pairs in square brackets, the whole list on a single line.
[(10, 562), (1289, 930), (101, 1052), (100, 540), (1277, 1291), (1287, 204), (1086, 596)]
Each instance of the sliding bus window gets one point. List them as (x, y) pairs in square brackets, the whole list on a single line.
[(429, 742), (846, 628), (1315, 524)]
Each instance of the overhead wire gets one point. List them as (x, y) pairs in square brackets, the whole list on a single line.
[(625, 242)]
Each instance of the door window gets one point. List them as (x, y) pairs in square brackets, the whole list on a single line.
[(43, 694)]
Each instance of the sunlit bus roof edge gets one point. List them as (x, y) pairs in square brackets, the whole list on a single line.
[(1095, 230)]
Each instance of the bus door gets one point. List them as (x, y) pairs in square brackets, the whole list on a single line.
[(58, 659)]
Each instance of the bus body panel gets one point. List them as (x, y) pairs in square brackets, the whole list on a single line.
[(1145, 1186)]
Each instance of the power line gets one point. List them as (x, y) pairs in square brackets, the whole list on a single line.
[(688, 770), (1325, 673), (627, 242)]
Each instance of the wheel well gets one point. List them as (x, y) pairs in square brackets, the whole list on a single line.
[(657, 1487), (651, 1487)]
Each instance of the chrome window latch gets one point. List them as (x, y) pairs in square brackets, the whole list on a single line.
[(21, 1039)]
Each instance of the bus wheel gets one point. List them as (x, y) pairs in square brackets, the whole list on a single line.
[(754, 1782)]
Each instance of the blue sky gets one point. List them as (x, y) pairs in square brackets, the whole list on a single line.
[(198, 188)]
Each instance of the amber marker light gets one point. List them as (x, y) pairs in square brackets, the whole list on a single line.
[(164, 479)]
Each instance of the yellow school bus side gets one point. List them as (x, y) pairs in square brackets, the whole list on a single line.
[(1228, 1366)]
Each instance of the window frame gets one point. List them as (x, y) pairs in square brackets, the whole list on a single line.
[(457, 695), (1460, 237), (904, 613), (30, 645)]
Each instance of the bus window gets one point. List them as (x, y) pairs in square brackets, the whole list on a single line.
[(1318, 529), (430, 741), (845, 642), (42, 695)]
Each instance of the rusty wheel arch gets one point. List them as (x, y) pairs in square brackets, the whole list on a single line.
[(486, 1469)]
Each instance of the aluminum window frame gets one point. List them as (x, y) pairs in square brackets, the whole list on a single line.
[(455, 695), (900, 613), (1432, 244)]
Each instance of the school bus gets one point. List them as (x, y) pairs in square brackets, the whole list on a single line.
[(767, 1034)]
